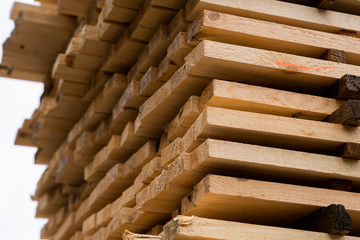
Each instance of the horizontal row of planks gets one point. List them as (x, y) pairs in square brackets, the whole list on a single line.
[(193, 119)]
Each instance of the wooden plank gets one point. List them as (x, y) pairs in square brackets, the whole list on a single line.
[(149, 83), (109, 31), (131, 98), (291, 133), (262, 202), (121, 176), (179, 49), (43, 24), (19, 7), (225, 155), (148, 19), (113, 13), (161, 107), (90, 43), (238, 159), (191, 227), (238, 96), (78, 8), (300, 41), (123, 54), (62, 70), (133, 220), (127, 199), (120, 148), (186, 117), (286, 13), (89, 225), (229, 61), (24, 74), (72, 88)]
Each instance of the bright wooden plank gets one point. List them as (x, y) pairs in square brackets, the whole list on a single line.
[(192, 227), (300, 41), (277, 11), (263, 202), (270, 130)]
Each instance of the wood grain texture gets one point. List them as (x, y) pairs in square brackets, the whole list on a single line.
[(197, 228), (263, 202)]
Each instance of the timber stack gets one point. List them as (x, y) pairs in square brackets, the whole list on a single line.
[(193, 119)]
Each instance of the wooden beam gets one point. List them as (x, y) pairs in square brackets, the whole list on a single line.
[(295, 40), (291, 133), (227, 61), (286, 13), (261, 202), (191, 227), (238, 159), (238, 96)]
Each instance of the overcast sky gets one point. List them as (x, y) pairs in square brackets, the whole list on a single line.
[(18, 173)]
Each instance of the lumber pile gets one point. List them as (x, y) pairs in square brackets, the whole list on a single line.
[(198, 119)]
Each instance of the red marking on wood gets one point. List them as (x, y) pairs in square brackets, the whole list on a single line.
[(303, 67)]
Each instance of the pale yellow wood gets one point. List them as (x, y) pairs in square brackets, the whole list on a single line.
[(192, 227), (161, 107), (263, 129), (238, 96), (161, 196), (119, 149), (295, 166), (263, 202), (263, 67), (121, 176), (300, 41), (277, 11), (132, 219)]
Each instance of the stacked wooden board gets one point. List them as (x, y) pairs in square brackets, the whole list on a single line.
[(199, 119)]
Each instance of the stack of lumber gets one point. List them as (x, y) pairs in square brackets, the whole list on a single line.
[(199, 119)]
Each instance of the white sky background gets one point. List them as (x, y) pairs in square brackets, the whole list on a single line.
[(18, 173)]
